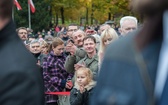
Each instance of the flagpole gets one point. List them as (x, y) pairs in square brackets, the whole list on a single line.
[(29, 16)]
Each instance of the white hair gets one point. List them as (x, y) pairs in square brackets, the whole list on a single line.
[(128, 18), (79, 31), (34, 41)]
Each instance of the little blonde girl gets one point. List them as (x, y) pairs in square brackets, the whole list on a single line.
[(83, 87)]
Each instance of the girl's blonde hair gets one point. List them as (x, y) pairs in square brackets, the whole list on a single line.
[(88, 73)]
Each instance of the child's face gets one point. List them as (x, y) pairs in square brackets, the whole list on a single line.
[(82, 78)]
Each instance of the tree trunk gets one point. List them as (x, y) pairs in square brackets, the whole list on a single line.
[(92, 14), (86, 15), (56, 18), (92, 18), (113, 17), (109, 16), (50, 13), (62, 14)]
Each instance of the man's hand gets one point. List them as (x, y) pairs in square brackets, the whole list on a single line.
[(77, 66), (70, 47)]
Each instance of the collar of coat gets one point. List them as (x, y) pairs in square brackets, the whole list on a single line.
[(52, 58), (94, 57), (88, 87)]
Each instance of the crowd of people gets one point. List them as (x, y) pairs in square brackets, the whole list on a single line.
[(98, 65), (60, 53)]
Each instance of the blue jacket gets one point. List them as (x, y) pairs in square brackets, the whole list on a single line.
[(120, 81)]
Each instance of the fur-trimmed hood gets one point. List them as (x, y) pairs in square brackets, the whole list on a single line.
[(88, 87)]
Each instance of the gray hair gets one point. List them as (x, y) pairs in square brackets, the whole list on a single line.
[(34, 41), (128, 18), (81, 31)]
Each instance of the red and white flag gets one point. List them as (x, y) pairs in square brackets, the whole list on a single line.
[(32, 7), (17, 5)]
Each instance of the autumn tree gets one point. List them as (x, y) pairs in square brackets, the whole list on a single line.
[(68, 11)]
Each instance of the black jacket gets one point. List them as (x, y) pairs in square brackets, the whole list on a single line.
[(76, 98), (20, 79)]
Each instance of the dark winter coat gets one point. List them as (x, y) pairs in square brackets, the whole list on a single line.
[(76, 98)]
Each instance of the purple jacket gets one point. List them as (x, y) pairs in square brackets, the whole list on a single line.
[(54, 74)]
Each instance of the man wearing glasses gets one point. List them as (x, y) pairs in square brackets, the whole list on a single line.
[(71, 29)]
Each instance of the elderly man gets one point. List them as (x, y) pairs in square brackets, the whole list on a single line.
[(78, 38), (35, 48), (20, 79), (75, 47), (127, 24)]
